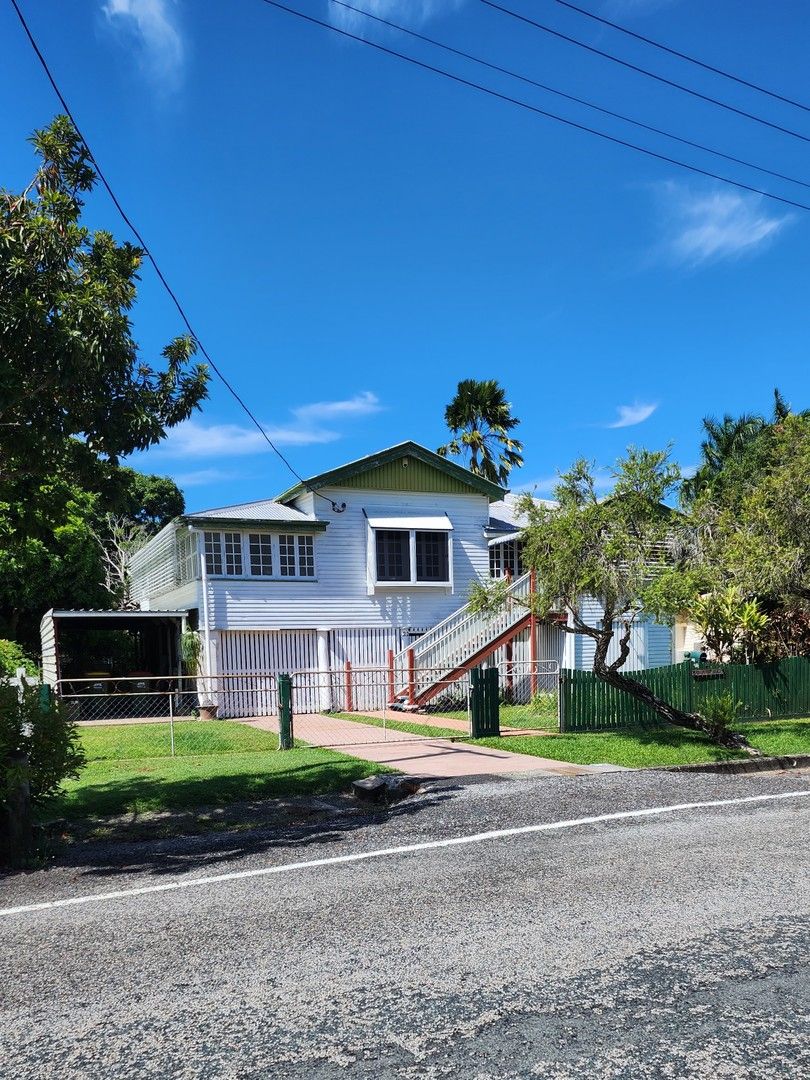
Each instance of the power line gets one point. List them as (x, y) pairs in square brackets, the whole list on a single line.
[(684, 56), (142, 243), (568, 97), (534, 108), (644, 71)]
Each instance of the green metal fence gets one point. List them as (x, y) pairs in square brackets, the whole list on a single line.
[(767, 691)]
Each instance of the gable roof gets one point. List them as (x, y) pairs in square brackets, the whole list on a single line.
[(337, 477)]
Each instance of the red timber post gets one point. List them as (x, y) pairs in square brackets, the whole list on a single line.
[(391, 687), (349, 694), (533, 632), (510, 682), (411, 678)]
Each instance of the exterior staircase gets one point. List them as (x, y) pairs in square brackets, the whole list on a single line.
[(454, 646)]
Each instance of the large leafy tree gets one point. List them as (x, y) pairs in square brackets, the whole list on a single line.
[(621, 551), (75, 396), (69, 366), (480, 421)]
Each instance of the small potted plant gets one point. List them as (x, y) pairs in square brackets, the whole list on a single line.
[(191, 649)]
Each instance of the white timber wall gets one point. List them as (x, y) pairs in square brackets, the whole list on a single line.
[(650, 643), (337, 598)]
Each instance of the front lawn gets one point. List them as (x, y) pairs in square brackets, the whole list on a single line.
[(129, 769), (636, 749), (410, 727), (778, 738), (657, 746)]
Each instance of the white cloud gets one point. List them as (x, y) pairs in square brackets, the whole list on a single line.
[(360, 405), (200, 477), (629, 415), (152, 24), (413, 12), (196, 439), (703, 227)]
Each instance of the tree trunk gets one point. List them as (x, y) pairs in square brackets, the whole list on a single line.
[(731, 740)]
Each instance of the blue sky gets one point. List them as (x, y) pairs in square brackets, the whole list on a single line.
[(351, 236)]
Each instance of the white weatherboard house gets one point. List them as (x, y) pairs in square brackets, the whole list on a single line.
[(372, 558)]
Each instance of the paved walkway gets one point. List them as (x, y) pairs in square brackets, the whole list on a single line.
[(413, 754)]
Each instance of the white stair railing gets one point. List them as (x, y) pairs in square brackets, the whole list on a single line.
[(451, 643)]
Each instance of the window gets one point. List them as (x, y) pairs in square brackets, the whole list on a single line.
[(286, 555), (431, 556), (186, 557), (506, 559), (265, 555), (233, 552), (306, 557), (412, 555), (296, 555), (393, 555), (261, 554), (213, 552)]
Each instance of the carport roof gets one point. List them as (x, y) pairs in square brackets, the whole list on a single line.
[(101, 613)]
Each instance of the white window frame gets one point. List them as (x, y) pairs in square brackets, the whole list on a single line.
[(275, 555), (411, 583)]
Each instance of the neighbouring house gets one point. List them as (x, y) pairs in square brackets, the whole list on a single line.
[(369, 563)]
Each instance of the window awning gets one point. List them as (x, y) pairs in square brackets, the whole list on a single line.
[(439, 523)]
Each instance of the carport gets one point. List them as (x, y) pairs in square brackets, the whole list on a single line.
[(88, 644)]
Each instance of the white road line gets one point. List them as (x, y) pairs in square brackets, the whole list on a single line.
[(405, 849)]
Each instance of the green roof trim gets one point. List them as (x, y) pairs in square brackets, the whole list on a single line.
[(342, 476)]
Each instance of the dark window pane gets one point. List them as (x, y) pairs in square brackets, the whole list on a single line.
[(431, 556), (261, 555), (393, 555)]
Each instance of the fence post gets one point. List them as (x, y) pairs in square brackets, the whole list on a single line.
[(391, 688), (171, 722), (411, 678), (532, 634), (484, 713), (561, 685), (285, 719), (349, 695)]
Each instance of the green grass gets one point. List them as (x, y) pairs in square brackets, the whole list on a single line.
[(778, 738), (408, 726), (111, 742), (657, 746), (128, 771), (515, 716), (636, 749)]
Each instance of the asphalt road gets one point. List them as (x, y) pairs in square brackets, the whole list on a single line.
[(672, 945)]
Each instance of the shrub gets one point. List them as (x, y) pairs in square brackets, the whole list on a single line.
[(13, 657), (721, 711), (42, 731)]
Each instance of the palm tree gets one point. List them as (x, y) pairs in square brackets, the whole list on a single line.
[(725, 441), (480, 418)]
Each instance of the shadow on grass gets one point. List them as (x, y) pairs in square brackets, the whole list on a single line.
[(285, 811)]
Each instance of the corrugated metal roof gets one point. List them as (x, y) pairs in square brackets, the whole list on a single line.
[(137, 613), (264, 510), (504, 516)]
